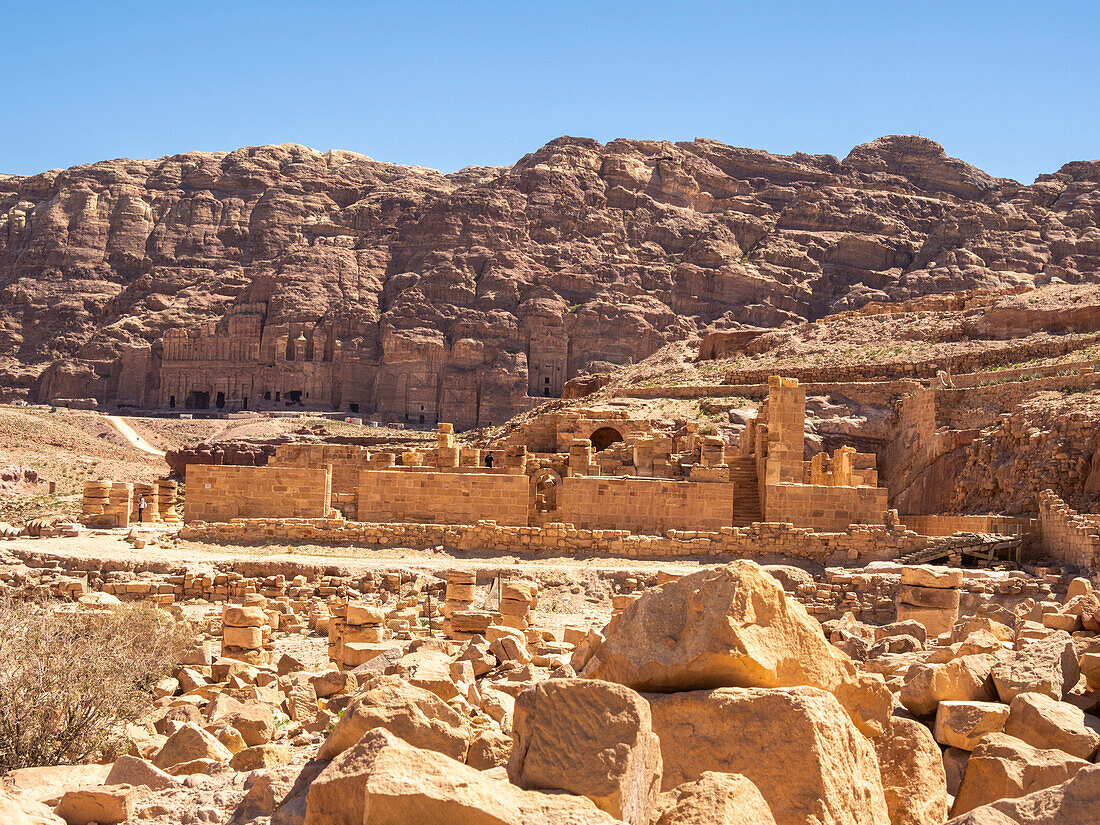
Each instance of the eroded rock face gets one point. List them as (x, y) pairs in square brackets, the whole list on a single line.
[(499, 283), (385, 781), (416, 715), (913, 776), (795, 744), (1073, 801), (1003, 767), (731, 626), (590, 738), (714, 799)]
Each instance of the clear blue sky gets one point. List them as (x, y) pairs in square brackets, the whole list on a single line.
[(1010, 87)]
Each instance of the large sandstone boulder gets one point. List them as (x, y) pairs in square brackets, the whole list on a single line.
[(963, 724), (797, 745), (590, 738), (383, 780), (1003, 767), (1047, 666), (1044, 722), (913, 777), (714, 799), (189, 744), (1071, 803), (255, 721), (97, 806), (732, 626), (16, 809), (130, 770), (416, 715), (966, 679)]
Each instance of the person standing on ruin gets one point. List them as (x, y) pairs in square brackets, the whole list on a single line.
[(141, 509)]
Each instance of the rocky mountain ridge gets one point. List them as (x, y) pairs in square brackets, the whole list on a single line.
[(508, 280)]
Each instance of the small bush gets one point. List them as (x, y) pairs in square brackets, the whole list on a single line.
[(69, 681)]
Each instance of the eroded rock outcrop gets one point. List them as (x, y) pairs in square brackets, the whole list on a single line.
[(341, 280)]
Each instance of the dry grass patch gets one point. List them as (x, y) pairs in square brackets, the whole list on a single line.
[(69, 681)]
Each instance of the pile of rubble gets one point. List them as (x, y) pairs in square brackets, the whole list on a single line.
[(711, 697)]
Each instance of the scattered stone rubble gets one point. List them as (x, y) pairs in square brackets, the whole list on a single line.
[(708, 697)]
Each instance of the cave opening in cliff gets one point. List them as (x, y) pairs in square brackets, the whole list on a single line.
[(604, 437), (219, 401), (294, 397)]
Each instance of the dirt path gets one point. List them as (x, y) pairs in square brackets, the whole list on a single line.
[(128, 433), (111, 546)]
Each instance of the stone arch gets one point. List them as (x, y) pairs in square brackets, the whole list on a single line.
[(545, 490), (604, 437)]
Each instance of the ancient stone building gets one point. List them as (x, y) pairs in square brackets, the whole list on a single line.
[(239, 363), (591, 470)]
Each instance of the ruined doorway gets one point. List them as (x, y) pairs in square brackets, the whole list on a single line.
[(197, 400), (604, 437), (545, 486), (219, 402), (172, 401), (294, 397)]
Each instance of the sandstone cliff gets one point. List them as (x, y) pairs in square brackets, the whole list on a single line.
[(278, 274)]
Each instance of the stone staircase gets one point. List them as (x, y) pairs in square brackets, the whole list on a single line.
[(746, 493)]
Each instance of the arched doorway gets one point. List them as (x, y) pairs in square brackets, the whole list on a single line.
[(604, 437), (545, 486)]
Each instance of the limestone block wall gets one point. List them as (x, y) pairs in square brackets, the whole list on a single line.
[(347, 460), (825, 508), (644, 505), (1066, 536), (443, 497), (220, 492), (856, 545), (949, 525)]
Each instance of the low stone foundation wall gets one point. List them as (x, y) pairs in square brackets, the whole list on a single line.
[(857, 544)]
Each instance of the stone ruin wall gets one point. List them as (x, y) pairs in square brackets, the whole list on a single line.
[(644, 506), (953, 447), (441, 497), (221, 493), (858, 544), (826, 508), (706, 486), (1066, 536), (967, 362)]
